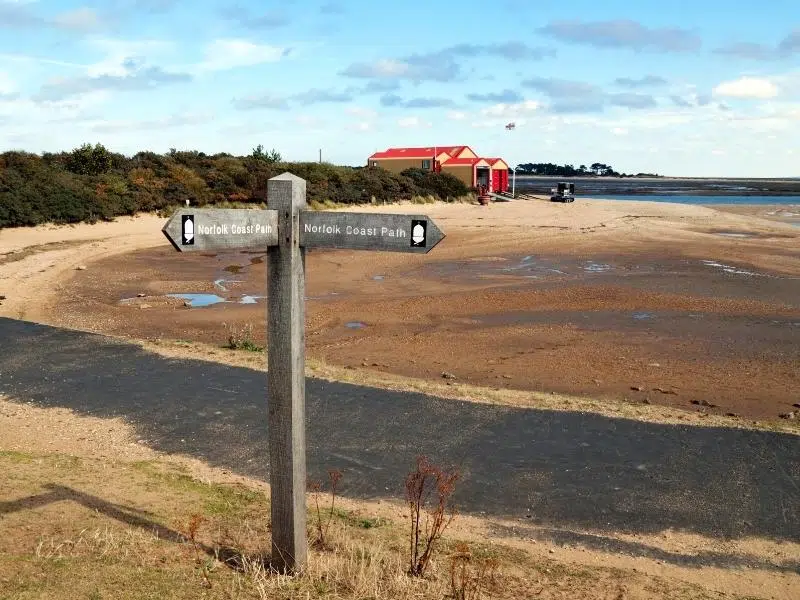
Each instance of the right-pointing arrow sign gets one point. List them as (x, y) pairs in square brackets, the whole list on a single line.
[(369, 231)]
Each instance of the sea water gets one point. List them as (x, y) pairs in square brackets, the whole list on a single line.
[(693, 199)]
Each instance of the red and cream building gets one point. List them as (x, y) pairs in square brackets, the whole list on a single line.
[(460, 161)]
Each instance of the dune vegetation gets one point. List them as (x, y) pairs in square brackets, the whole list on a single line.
[(91, 183)]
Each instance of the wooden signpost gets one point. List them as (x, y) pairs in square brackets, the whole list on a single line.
[(285, 230)]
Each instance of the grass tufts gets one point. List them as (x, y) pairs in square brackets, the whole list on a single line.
[(241, 338)]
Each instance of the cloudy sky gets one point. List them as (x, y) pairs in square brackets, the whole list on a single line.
[(681, 88)]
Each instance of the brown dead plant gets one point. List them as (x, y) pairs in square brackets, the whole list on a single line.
[(425, 481), (191, 534), (320, 527), (470, 576)]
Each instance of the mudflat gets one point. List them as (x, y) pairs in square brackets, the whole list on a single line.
[(687, 306)]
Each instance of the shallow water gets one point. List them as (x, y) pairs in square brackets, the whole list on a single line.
[(200, 300), (682, 198), (664, 322), (565, 268), (734, 235)]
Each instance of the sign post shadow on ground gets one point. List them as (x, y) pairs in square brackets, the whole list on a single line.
[(285, 230)]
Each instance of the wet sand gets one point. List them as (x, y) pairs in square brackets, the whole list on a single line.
[(683, 306)]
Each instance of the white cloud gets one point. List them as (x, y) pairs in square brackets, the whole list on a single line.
[(387, 68), (413, 123), (7, 84), (654, 120), (511, 110), (122, 55), (747, 87), (309, 121), (80, 18), (619, 131), (11, 57), (226, 54), (361, 126), (358, 111), (456, 115), (105, 126)]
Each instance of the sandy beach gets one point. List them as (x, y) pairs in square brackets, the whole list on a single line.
[(646, 351), (646, 302)]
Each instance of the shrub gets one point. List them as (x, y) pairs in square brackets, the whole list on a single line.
[(90, 183), (425, 481), (88, 160), (241, 338)]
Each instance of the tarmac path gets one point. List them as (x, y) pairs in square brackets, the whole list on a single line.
[(570, 470)]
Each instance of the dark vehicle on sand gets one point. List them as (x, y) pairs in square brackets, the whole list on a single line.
[(563, 192)]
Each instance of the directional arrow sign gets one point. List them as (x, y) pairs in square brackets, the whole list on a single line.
[(228, 229), (222, 229), (368, 231)]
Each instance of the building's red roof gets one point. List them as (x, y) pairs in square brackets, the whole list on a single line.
[(492, 161), (460, 162), (417, 152)]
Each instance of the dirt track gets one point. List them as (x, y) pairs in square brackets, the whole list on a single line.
[(679, 305)]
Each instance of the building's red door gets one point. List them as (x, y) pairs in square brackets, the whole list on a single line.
[(504, 180), (497, 181)]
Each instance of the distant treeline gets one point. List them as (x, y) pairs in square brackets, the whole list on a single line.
[(91, 183), (595, 169)]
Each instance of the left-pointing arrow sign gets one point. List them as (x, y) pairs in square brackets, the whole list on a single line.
[(221, 229)]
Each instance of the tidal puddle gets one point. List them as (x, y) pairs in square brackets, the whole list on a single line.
[(593, 267), (323, 296), (203, 300), (599, 320), (378, 277), (199, 300), (532, 267), (734, 234), (218, 283), (729, 269), (355, 325)]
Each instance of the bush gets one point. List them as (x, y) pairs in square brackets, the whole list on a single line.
[(91, 183), (440, 185)]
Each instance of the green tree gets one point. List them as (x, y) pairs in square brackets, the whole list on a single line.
[(273, 156), (88, 160)]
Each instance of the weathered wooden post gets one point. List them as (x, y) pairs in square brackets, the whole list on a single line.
[(284, 230), (286, 363)]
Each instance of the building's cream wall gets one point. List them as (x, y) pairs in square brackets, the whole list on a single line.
[(500, 165), (462, 172), (398, 165), (466, 153)]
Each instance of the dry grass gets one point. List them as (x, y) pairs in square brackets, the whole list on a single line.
[(354, 567), (76, 528)]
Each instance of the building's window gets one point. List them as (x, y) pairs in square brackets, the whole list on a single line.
[(426, 164), (373, 163)]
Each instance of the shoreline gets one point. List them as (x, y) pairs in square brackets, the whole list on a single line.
[(595, 199), (779, 189), (530, 296)]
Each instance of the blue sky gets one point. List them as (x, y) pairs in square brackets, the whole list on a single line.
[(680, 88)]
